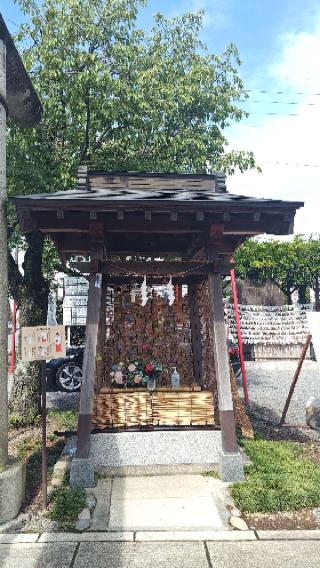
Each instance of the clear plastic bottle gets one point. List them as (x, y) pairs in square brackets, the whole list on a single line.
[(175, 379)]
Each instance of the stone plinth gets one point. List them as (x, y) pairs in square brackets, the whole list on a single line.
[(12, 489)]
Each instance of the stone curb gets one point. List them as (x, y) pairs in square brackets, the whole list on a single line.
[(16, 538), (289, 535), (194, 535), (87, 537), (149, 536)]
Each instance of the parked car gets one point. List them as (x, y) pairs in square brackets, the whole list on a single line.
[(66, 373)]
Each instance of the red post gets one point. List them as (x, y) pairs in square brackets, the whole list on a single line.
[(240, 344), (13, 338)]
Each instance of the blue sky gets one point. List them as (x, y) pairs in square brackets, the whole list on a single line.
[(279, 45)]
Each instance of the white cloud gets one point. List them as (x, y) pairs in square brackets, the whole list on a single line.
[(216, 12), (288, 139)]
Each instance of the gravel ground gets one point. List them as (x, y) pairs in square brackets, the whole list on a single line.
[(268, 386), (62, 400)]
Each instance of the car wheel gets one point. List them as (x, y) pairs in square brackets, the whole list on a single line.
[(69, 377)]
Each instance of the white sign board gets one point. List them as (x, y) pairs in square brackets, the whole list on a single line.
[(314, 327), (75, 300), (43, 342)]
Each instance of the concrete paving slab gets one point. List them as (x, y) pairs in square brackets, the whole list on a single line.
[(102, 493), (87, 537), (160, 487), (289, 535), (221, 535), (165, 514), (142, 555), (36, 555), (267, 554), (7, 538)]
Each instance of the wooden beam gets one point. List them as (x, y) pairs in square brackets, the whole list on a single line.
[(195, 325), (227, 420), (89, 365), (152, 268), (79, 221)]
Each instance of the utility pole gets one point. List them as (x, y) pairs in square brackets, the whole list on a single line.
[(4, 268), (19, 101)]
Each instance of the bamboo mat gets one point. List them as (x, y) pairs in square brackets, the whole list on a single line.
[(157, 408)]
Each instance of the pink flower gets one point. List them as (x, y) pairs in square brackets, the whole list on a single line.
[(131, 368), (137, 379)]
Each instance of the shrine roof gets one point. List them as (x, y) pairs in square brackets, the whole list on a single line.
[(96, 188)]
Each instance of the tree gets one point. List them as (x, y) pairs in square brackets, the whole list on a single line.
[(118, 98), (291, 265)]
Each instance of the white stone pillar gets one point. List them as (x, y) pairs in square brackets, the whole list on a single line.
[(4, 269)]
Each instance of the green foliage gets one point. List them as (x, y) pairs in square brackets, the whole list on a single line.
[(120, 98), (64, 419), (29, 446), (279, 479), (292, 265), (214, 474), (66, 505)]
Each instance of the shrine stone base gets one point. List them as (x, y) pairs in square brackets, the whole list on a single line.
[(231, 466), (158, 452)]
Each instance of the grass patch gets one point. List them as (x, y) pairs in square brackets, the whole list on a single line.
[(64, 419), (279, 479), (212, 473), (66, 505), (17, 422), (29, 450)]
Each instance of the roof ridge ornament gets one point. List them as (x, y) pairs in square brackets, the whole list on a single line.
[(83, 180), (221, 186)]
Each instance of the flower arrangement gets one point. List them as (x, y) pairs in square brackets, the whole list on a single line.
[(135, 373)]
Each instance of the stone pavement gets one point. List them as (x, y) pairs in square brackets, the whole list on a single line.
[(220, 549), (176, 502)]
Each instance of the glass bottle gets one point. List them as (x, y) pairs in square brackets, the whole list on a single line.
[(175, 379)]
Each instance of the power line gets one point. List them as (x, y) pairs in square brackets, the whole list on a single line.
[(277, 102), (289, 164), (298, 93)]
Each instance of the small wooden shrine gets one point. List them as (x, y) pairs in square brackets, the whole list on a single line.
[(178, 227)]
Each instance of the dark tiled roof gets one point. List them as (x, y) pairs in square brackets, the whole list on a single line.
[(98, 187)]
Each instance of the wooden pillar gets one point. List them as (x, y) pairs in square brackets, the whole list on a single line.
[(195, 326), (89, 365), (227, 421), (101, 336)]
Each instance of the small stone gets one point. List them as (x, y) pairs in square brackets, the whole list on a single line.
[(313, 413), (50, 491), (82, 524), (84, 515), (235, 512), (62, 467), (91, 502), (56, 482), (238, 523)]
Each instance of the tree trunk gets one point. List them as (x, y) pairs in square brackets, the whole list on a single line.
[(288, 295), (302, 294), (317, 294), (31, 294)]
